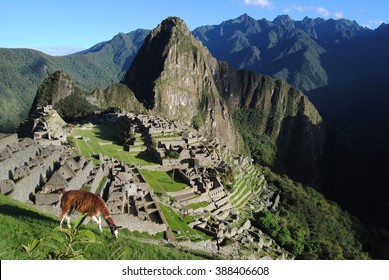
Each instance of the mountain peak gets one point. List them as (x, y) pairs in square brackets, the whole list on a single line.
[(243, 18), (169, 45), (172, 24), (283, 19), (173, 21), (53, 89), (172, 76)]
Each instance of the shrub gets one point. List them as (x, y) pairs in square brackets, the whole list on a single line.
[(61, 243)]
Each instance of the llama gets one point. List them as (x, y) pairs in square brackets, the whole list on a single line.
[(86, 202)]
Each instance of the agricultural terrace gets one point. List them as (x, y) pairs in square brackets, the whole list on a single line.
[(162, 181), (104, 139)]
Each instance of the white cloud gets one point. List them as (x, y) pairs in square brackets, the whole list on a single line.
[(57, 50), (373, 24), (322, 11), (338, 15), (318, 10), (259, 3)]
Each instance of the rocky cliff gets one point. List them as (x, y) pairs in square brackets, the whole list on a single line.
[(53, 89), (59, 91), (67, 100), (115, 96), (272, 110), (172, 75)]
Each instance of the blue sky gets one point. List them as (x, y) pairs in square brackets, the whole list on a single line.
[(62, 27)]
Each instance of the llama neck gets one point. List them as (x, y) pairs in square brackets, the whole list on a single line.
[(110, 221), (107, 216)]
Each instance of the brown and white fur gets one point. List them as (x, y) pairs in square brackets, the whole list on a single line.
[(86, 202)]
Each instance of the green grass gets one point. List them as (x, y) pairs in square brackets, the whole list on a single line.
[(198, 205), (102, 184), (21, 224), (162, 182), (105, 140), (178, 224)]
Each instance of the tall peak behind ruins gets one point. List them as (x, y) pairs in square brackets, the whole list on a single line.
[(172, 75)]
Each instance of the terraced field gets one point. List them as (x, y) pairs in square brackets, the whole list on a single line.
[(162, 182), (248, 182), (105, 140)]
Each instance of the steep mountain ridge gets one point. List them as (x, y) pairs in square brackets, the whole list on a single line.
[(343, 68), (59, 91), (283, 48), (115, 96), (172, 77), (263, 107), (55, 88)]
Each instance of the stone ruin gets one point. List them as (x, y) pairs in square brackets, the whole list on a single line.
[(199, 165), (130, 199), (163, 137), (49, 127), (32, 173)]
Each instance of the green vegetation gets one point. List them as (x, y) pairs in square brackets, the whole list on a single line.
[(172, 154), (86, 188), (242, 183), (198, 205), (179, 225), (207, 100), (105, 140), (74, 106), (102, 184), (61, 243), (308, 225), (198, 121), (261, 147), (22, 224), (116, 96), (162, 181)]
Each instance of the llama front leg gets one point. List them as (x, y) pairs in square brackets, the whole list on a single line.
[(63, 216), (98, 222), (68, 221)]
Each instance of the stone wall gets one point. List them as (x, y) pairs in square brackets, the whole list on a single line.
[(197, 199), (27, 186), (97, 179), (134, 224), (18, 159), (216, 193), (181, 192), (6, 186), (8, 140), (81, 177)]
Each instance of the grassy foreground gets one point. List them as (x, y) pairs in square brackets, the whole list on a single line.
[(20, 224)]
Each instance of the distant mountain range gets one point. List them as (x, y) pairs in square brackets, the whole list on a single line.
[(23, 70), (340, 66)]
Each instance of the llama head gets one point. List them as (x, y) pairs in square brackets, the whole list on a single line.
[(114, 231)]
